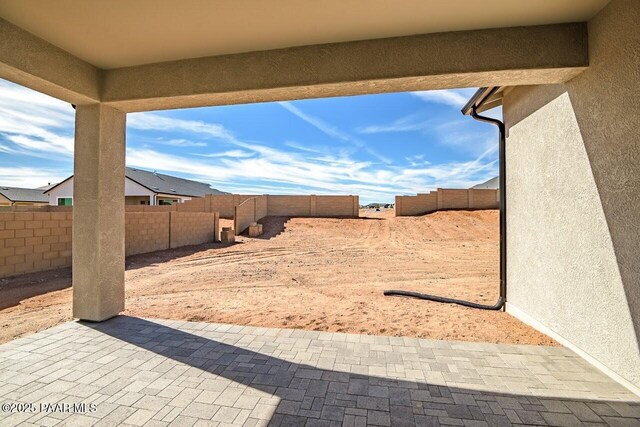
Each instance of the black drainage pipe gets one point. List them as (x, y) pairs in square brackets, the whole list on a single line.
[(503, 234), (497, 306)]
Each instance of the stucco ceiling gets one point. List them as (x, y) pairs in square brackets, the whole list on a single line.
[(119, 33)]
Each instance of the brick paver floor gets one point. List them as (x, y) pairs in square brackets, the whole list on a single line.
[(131, 371)]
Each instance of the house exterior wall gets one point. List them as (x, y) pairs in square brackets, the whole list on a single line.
[(137, 200), (63, 190), (131, 190), (573, 200), (180, 199)]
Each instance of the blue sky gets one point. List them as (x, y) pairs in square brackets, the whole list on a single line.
[(375, 146)]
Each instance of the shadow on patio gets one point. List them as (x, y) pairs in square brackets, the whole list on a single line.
[(562, 388)]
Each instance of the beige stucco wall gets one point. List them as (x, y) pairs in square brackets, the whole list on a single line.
[(573, 199)]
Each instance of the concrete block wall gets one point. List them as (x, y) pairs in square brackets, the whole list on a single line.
[(416, 205), (146, 232), (147, 208), (194, 205), (328, 206), (289, 205), (34, 241), (31, 208), (483, 199), (318, 206), (255, 208), (224, 204), (193, 228), (262, 206), (249, 211), (452, 199), (38, 241), (444, 199), (272, 205)]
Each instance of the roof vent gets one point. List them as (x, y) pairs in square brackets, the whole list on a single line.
[(156, 188)]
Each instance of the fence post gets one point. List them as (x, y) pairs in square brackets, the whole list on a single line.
[(170, 225), (255, 208), (312, 205)]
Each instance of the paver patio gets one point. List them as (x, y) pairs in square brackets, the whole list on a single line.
[(157, 372)]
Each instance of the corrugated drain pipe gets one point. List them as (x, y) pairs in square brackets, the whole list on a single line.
[(503, 233)]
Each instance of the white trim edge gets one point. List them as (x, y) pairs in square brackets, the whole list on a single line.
[(524, 317)]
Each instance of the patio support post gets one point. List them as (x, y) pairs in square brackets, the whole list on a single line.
[(98, 212)]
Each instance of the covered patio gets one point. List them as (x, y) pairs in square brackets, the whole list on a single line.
[(109, 59)]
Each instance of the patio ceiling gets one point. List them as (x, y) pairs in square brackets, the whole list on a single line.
[(118, 34), (150, 54)]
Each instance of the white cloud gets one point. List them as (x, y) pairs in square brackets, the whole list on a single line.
[(453, 97), (238, 154), (26, 177), (410, 123), (319, 124), (180, 143), (35, 124), (331, 130)]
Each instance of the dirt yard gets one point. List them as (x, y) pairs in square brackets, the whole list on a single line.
[(309, 273)]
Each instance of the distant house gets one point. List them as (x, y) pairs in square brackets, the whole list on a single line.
[(141, 188), (15, 196), (492, 184)]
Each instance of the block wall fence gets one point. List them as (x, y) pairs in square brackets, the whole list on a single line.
[(443, 199), (257, 207), (41, 240), (273, 205)]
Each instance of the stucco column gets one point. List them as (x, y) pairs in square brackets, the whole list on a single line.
[(98, 213)]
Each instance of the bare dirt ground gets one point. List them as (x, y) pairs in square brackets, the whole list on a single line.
[(308, 273)]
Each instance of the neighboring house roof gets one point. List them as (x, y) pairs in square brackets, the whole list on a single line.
[(493, 183), (164, 184), (167, 184), (16, 194)]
